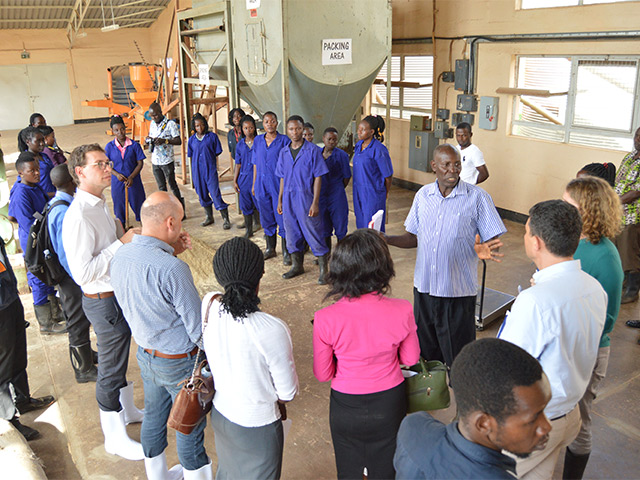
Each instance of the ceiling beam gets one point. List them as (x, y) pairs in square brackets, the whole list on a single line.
[(141, 12), (75, 20)]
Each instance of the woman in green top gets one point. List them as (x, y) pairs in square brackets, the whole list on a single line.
[(601, 213)]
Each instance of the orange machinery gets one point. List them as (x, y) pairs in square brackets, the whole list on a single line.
[(142, 77)]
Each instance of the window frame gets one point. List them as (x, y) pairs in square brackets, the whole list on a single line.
[(568, 127), (401, 107)]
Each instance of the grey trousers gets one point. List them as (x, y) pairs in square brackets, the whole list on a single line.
[(245, 452), (114, 339)]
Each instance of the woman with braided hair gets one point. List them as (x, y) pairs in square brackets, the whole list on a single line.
[(251, 359), (372, 171)]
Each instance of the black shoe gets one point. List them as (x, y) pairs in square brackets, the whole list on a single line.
[(209, 219), (27, 432), (32, 404), (286, 257), (297, 268), (270, 252), (82, 363), (574, 465), (322, 263), (633, 323), (226, 224), (630, 293), (248, 222)]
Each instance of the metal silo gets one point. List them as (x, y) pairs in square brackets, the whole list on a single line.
[(292, 56)]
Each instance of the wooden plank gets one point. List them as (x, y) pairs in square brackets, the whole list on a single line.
[(532, 92), (201, 11)]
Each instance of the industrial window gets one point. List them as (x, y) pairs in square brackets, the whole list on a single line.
[(588, 101), (413, 75), (527, 4)]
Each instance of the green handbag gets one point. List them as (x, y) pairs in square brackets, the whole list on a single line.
[(428, 390)]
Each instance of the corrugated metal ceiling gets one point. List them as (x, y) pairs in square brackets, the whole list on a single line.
[(39, 14)]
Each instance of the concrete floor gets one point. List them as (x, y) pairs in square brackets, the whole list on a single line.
[(71, 445)]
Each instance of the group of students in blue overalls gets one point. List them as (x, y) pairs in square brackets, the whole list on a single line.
[(299, 188)]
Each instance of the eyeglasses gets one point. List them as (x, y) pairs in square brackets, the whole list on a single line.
[(101, 165)]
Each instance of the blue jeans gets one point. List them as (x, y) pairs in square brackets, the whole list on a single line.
[(161, 377)]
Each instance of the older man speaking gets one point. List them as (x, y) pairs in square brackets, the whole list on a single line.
[(162, 306)]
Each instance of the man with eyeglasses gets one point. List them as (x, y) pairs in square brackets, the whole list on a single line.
[(91, 236)]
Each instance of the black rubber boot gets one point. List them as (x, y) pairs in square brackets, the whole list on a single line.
[(574, 465), (226, 224), (270, 252), (56, 310), (256, 220), (27, 432), (327, 241), (248, 222), (286, 257), (184, 208), (297, 267), (322, 264), (630, 294), (209, 219), (82, 363), (94, 357), (48, 326)]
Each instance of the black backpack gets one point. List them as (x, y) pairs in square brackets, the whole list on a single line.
[(40, 258)]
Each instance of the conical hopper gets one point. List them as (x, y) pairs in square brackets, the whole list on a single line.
[(325, 92), (142, 79)]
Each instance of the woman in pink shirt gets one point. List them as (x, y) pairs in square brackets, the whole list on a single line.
[(359, 343)]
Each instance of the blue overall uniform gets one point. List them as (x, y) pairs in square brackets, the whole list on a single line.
[(267, 186), (132, 155), (370, 168), (203, 153), (46, 165), (297, 197), (233, 139), (333, 199), (24, 201), (244, 156)]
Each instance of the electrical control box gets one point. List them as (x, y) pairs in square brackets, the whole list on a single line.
[(442, 114), (461, 80), (419, 123), (448, 77), (442, 130), (488, 113), (421, 146), (467, 103), (458, 118)]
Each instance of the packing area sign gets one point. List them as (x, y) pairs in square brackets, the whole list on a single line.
[(337, 51)]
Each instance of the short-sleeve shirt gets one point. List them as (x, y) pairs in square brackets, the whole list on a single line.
[(339, 169), (627, 181), (265, 158), (124, 163), (299, 174), (163, 154), (24, 201), (205, 149), (54, 223), (371, 166), (471, 158), (244, 158), (446, 262)]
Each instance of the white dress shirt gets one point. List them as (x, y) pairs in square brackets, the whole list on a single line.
[(90, 239), (559, 321), (252, 364), (471, 158)]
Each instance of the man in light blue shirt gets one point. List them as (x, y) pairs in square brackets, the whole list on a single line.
[(442, 223), (559, 321), (162, 307), (83, 359)]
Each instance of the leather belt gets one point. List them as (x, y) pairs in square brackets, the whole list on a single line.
[(558, 418), (155, 353), (100, 295)]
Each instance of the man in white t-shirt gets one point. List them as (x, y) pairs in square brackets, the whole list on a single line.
[(474, 170)]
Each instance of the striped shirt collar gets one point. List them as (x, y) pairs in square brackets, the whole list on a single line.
[(460, 189)]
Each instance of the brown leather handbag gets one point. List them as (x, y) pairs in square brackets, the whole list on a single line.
[(194, 400)]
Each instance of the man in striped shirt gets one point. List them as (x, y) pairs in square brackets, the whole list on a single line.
[(443, 222)]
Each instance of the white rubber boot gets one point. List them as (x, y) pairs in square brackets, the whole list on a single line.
[(156, 468), (203, 473), (131, 413), (116, 440)]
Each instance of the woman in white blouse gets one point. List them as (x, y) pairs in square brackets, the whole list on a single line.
[(251, 358)]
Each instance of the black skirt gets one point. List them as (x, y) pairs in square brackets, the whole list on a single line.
[(364, 430)]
